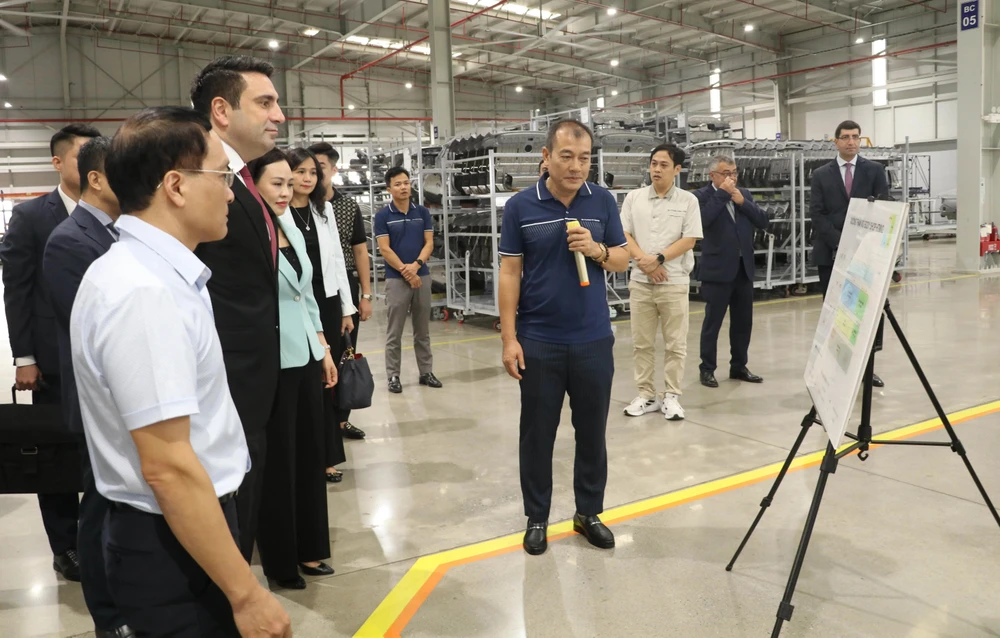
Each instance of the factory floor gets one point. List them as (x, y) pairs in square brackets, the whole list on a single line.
[(426, 526)]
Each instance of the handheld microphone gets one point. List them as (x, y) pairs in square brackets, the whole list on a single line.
[(581, 261)]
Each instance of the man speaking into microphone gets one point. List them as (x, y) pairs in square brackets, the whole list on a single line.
[(556, 329)]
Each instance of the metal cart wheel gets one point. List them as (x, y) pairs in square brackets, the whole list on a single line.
[(460, 316), (436, 314), (897, 276), (445, 315), (496, 325)]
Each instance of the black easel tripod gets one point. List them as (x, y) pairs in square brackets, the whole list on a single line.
[(862, 441)]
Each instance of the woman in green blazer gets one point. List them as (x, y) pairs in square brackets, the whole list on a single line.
[(294, 532)]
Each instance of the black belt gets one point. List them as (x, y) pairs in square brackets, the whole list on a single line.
[(225, 498)]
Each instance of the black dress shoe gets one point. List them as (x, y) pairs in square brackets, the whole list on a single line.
[(596, 533), (351, 432), (395, 386), (877, 381), (536, 538), (334, 477), (430, 380), (122, 632), (322, 570), (291, 583), (708, 380), (68, 565), (745, 375)]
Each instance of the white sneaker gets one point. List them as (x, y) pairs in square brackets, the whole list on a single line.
[(672, 410), (640, 406)]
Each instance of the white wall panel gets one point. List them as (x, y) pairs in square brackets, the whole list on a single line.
[(915, 121), (947, 119)]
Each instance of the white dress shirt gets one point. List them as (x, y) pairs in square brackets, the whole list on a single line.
[(841, 162), (236, 162), (145, 350), (331, 253)]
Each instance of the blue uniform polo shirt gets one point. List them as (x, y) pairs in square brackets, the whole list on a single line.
[(553, 306), (405, 232)]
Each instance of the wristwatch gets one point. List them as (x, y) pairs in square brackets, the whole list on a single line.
[(366, 297), (660, 257), (420, 262)]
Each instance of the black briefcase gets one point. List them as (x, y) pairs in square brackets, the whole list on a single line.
[(38, 454)]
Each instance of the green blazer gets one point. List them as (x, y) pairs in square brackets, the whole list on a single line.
[(298, 313)]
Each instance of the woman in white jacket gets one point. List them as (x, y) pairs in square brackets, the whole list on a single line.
[(314, 217)]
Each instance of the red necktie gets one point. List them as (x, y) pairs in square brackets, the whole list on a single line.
[(848, 178), (245, 174)]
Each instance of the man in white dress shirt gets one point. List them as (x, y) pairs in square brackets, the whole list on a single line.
[(165, 440)]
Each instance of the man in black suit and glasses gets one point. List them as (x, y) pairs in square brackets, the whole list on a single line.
[(833, 186), (236, 94), (31, 322)]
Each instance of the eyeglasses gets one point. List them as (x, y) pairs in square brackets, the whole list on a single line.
[(228, 176), (849, 138), (727, 174)]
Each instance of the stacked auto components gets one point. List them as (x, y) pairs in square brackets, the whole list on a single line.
[(623, 157)]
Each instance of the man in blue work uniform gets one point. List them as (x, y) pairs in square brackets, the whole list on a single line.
[(562, 341)]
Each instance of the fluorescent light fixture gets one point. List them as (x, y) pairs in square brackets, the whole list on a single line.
[(614, 93), (612, 11), (350, 107), (519, 88), (310, 32), (714, 94), (273, 44), (614, 63), (880, 97), (748, 28), (409, 85), (859, 41)]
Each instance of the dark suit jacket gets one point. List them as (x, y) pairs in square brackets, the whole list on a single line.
[(829, 200), (726, 240), (244, 291), (75, 244), (30, 323)]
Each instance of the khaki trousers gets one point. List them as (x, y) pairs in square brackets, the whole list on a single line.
[(666, 306)]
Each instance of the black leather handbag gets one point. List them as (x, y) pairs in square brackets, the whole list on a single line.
[(355, 385), (38, 453)]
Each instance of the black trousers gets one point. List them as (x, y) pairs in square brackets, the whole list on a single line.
[(159, 589), (736, 297), (94, 509), (331, 315), (249, 495), (294, 527), (583, 371), (343, 416), (60, 512), (824, 278)]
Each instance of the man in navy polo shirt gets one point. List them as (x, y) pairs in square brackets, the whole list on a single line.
[(405, 235), (562, 343)]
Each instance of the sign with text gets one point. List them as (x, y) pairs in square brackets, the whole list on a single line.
[(968, 15)]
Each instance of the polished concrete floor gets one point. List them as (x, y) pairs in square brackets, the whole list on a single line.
[(903, 545)]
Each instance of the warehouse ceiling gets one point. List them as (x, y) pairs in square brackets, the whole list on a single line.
[(552, 45)]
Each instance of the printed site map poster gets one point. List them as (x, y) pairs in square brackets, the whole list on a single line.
[(852, 308)]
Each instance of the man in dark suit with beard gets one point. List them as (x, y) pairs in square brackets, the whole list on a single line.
[(236, 94)]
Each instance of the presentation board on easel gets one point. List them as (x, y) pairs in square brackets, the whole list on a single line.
[(859, 284)]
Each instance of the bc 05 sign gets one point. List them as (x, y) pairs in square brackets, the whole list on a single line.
[(969, 15)]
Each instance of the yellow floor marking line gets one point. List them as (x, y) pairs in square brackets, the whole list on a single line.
[(693, 313), (398, 608)]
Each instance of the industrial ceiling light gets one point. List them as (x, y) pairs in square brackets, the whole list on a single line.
[(310, 32), (519, 89), (614, 93), (7, 105), (273, 44), (3, 78), (614, 63), (350, 107), (716, 70), (612, 11), (748, 28), (409, 85), (859, 41)]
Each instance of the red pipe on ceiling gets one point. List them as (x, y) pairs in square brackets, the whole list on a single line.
[(70, 120), (777, 76)]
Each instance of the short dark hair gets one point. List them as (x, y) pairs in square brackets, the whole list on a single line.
[(318, 195), (325, 148), (69, 134), (91, 158), (150, 144), (677, 155), (223, 77), (395, 172), (540, 162), (257, 166), (578, 131), (847, 125)]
